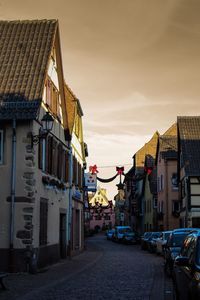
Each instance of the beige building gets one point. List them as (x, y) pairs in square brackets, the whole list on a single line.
[(78, 165), (168, 210), (35, 189), (145, 195)]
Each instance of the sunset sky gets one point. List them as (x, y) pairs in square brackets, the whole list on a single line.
[(134, 65)]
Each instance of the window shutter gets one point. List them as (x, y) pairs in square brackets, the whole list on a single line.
[(43, 221), (40, 154), (54, 158), (59, 164), (66, 167)]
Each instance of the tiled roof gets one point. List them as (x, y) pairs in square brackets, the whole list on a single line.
[(168, 146), (149, 149), (171, 131), (25, 48), (189, 139), (19, 110)]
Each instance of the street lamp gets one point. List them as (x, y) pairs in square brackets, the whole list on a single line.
[(46, 127)]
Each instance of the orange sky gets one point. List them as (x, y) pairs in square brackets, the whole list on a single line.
[(134, 65)]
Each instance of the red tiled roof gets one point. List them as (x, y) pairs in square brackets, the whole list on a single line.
[(25, 48)]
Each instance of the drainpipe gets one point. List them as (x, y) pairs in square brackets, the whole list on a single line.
[(187, 202), (167, 196), (70, 165), (13, 185)]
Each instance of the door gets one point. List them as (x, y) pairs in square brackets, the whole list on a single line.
[(63, 251)]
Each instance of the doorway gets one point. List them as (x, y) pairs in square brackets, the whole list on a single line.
[(63, 248)]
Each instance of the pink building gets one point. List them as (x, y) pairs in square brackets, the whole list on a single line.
[(168, 209), (102, 213)]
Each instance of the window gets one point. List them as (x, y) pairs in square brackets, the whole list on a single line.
[(161, 182), (54, 158), (43, 221), (158, 184), (174, 181), (75, 163), (182, 189), (1, 146), (59, 164), (42, 159), (155, 202), (66, 167), (51, 95), (175, 206)]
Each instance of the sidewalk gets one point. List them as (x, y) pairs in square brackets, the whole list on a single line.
[(21, 284)]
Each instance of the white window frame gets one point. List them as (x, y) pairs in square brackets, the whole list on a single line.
[(1, 147)]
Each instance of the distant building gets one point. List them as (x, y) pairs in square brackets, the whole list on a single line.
[(168, 206), (102, 214)]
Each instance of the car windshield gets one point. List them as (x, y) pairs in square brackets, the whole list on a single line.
[(155, 235), (177, 240), (147, 234)]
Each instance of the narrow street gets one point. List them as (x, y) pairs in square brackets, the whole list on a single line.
[(105, 270)]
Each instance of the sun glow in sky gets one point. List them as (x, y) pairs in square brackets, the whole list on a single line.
[(134, 65)]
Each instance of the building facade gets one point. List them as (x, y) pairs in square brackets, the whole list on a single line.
[(168, 197), (35, 165), (189, 170)]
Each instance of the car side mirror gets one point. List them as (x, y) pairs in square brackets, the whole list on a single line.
[(182, 261)]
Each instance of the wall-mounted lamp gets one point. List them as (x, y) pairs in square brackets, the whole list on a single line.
[(47, 125)]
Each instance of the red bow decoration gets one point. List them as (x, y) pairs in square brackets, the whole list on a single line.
[(93, 169), (120, 170), (148, 170)]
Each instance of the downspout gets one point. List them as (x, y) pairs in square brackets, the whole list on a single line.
[(70, 165), (13, 185), (167, 196)]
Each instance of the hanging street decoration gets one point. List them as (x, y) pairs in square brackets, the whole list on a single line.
[(93, 169), (120, 171)]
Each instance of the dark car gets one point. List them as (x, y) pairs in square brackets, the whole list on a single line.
[(129, 237), (173, 248), (186, 273), (151, 242), (144, 240), (109, 234)]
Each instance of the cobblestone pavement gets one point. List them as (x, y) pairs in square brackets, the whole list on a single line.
[(105, 270)]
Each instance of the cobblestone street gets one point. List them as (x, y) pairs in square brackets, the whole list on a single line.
[(105, 270)]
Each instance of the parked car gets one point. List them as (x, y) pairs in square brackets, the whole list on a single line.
[(161, 241), (173, 248), (151, 242), (144, 240), (186, 273), (119, 232), (129, 237), (109, 234)]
